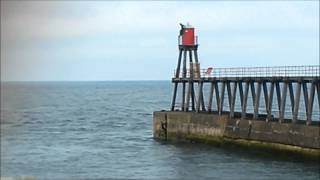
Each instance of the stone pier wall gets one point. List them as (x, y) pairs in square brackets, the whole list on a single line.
[(220, 129)]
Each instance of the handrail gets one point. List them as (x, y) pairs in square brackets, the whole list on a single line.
[(268, 71)]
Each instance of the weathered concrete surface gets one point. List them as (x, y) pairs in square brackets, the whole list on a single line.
[(220, 129), (179, 125)]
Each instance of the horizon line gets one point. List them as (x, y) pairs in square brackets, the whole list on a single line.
[(6, 81)]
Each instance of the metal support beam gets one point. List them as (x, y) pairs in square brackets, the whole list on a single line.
[(199, 96), (310, 104), (191, 83), (305, 97), (241, 93), (318, 90), (270, 99), (202, 101), (296, 103), (229, 94), (188, 96), (253, 92), (196, 56), (183, 96), (216, 88), (265, 94), (174, 96), (176, 84), (244, 103), (190, 66), (278, 95), (283, 102), (179, 64), (256, 103), (184, 75), (233, 100), (184, 70), (210, 96), (291, 94), (222, 97), (193, 97)]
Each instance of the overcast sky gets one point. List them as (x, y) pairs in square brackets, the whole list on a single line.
[(108, 40)]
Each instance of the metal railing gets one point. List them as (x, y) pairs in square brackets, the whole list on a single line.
[(275, 71)]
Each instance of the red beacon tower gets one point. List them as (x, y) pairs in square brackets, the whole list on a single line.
[(190, 71), (187, 35)]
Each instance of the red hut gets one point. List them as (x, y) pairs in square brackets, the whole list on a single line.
[(187, 35)]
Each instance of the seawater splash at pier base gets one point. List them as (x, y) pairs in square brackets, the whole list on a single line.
[(221, 130)]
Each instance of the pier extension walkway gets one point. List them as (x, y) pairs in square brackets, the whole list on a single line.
[(227, 90), (265, 108)]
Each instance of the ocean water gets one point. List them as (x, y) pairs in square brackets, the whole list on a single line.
[(63, 130)]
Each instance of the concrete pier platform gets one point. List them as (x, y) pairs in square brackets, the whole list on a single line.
[(212, 128)]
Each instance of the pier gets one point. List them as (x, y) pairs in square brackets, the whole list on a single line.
[(272, 108), (265, 83)]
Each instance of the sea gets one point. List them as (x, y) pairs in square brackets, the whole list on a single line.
[(103, 130)]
